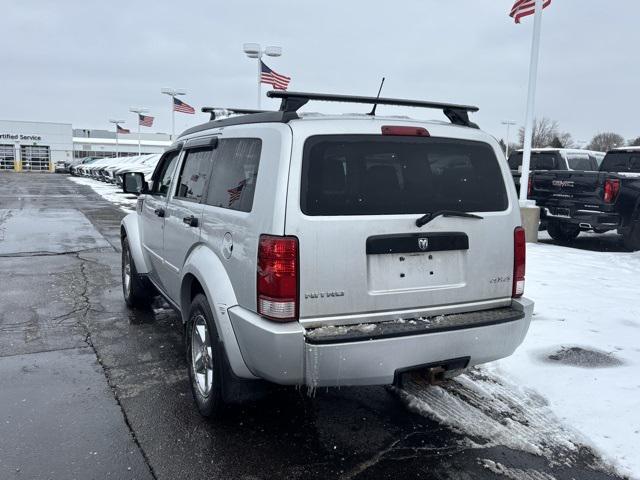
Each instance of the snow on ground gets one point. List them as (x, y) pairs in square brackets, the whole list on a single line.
[(109, 192), (575, 379)]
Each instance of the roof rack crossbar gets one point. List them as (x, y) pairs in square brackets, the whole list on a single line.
[(216, 112), (292, 101)]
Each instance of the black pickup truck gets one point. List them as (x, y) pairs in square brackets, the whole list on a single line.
[(608, 199), (554, 159)]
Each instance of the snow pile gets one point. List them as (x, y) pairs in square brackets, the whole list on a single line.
[(109, 192), (575, 379), (494, 411)]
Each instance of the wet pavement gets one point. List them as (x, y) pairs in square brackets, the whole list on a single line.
[(90, 389)]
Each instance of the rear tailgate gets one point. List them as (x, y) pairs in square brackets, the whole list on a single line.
[(563, 192), (362, 258)]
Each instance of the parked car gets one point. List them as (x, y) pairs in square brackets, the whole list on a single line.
[(570, 159), (608, 199), (145, 164), (330, 250), (76, 169)]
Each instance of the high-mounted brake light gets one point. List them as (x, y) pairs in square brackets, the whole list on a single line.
[(611, 189), (277, 279), (405, 131), (519, 261)]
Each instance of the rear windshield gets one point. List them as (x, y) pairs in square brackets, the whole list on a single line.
[(539, 161), (381, 175), (581, 161), (621, 162)]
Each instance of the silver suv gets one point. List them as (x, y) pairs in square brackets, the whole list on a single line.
[(330, 250)]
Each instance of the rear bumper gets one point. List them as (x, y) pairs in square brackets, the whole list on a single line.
[(287, 354), (585, 218)]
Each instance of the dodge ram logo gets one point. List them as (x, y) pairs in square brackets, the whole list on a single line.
[(423, 243), (562, 183)]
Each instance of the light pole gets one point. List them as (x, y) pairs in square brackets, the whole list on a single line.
[(508, 123), (117, 124), (255, 50), (138, 111), (173, 93)]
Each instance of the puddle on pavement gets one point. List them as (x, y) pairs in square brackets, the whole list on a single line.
[(47, 231)]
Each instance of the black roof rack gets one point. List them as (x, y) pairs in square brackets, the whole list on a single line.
[(229, 111), (292, 101)]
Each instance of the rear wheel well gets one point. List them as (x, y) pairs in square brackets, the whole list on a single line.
[(191, 287)]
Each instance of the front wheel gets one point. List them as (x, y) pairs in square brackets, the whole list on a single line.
[(562, 232), (136, 289)]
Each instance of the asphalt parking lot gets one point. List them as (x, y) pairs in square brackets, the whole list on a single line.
[(93, 390)]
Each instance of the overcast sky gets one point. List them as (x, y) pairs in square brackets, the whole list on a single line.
[(83, 62)]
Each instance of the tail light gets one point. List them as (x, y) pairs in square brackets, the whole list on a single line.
[(277, 285), (404, 131), (530, 187), (611, 189), (519, 260)]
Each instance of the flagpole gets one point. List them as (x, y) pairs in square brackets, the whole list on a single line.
[(173, 117), (533, 77), (117, 145), (139, 149), (259, 79)]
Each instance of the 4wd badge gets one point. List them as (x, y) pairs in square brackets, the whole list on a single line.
[(423, 243)]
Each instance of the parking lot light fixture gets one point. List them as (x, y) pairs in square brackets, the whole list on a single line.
[(508, 123), (173, 93), (255, 50), (139, 111), (117, 123)]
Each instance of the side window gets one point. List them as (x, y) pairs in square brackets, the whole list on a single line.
[(193, 177), (163, 176), (634, 164), (235, 169)]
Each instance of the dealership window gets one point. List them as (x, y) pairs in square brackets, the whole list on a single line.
[(35, 157)]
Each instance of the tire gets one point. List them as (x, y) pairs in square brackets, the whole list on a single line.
[(563, 233), (631, 238), (205, 358), (137, 290)]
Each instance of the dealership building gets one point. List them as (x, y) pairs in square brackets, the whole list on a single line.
[(39, 146)]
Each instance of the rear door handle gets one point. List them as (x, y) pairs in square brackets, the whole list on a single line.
[(191, 221), (159, 212)]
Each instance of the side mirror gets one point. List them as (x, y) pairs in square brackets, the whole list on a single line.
[(134, 182)]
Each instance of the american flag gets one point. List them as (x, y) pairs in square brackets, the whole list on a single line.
[(119, 129), (145, 120), (277, 81), (182, 107), (235, 192), (522, 8)]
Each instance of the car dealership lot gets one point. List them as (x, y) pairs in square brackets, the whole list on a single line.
[(109, 392)]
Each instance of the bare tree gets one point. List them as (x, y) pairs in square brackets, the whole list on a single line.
[(635, 142), (605, 141), (566, 140), (544, 131)]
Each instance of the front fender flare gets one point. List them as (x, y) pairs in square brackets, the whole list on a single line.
[(207, 268), (130, 227)]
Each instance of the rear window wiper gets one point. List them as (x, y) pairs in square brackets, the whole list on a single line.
[(427, 217)]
